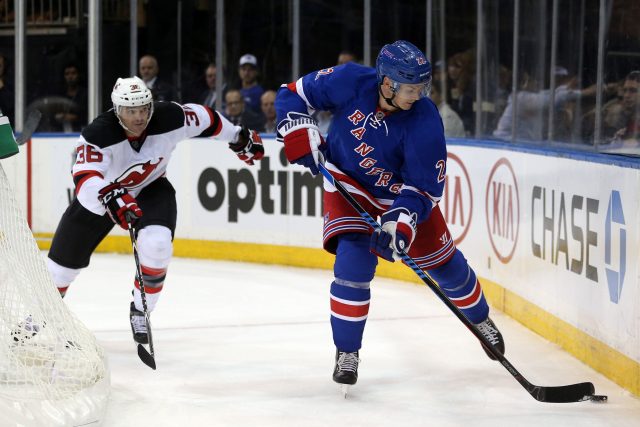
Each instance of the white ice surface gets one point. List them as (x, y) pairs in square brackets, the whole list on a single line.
[(250, 345)]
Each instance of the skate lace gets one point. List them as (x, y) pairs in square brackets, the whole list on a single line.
[(489, 331), (348, 362), (139, 324)]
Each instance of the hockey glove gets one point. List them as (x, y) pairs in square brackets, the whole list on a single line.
[(248, 146), (302, 140), (398, 231), (118, 202)]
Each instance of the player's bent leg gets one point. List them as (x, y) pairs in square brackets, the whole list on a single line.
[(62, 276), (155, 249), (459, 282), (354, 269)]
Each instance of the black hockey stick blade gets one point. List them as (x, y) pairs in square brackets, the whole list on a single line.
[(30, 126), (564, 394), (146, 357)]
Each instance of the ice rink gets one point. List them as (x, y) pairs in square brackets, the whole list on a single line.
[(250, 345)]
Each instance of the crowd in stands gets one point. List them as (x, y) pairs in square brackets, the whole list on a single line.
[(453, 91)]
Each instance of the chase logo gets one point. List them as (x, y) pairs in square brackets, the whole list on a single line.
[(615, 247)]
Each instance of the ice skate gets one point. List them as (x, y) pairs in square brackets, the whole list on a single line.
[(345, 372), (138, 325), (493, 335)]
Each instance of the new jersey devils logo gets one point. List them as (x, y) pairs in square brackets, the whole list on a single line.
[(137, 174)]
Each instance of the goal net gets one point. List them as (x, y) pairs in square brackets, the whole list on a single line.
[(52, 371)]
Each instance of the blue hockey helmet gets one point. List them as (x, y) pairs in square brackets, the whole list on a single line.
[(403, 63)]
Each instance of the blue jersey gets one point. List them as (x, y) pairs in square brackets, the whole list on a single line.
[(399, 157)]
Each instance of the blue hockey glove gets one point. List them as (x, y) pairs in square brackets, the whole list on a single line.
[(302, 140), (398, 231)]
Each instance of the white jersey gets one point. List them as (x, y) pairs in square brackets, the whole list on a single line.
[(105, 155)]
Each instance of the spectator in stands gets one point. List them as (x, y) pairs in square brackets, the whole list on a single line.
[(453, 126), (73, 116), (251, 91), (612, 113), (346, 56), (237, 114), (460, 72), (7, 97), (630, 133), (208, 96), (532, 108), (267, 103), (161, 90)]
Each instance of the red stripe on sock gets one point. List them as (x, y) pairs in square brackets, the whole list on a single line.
[(470, 299), (148, 289), (152, 271), (349, 310)]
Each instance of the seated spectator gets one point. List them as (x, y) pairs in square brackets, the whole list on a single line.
[(533, 104), (161, 90), (630, 133), (208, 96), (250, 90), (237, 114), (7, 97), (346, 56), (453, 126), (460, 73), (267, 103), (73, 115)]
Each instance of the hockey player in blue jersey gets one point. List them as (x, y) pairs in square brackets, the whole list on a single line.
[(386, 145)]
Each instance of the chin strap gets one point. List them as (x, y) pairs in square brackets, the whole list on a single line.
[(389, 101)]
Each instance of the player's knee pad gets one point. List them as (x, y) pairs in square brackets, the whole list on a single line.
[(154, 246), (61, 276), (354, 262), (455, 274)]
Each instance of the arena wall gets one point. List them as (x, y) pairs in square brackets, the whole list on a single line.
[(553, 234)]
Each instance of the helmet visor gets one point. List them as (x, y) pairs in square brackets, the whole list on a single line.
[(415, 91)]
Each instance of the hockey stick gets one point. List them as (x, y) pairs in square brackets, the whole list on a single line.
[(148, 358), (29, 127), (558, 394)]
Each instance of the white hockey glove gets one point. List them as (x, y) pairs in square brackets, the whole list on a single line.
[(398, 231)]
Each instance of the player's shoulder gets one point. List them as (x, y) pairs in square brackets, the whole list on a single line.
[(104, 130), (344, 82), (352, 73), (167, 116), (425, 110), (425, 120)]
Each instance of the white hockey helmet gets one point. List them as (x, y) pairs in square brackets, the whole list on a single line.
[(131, 92)]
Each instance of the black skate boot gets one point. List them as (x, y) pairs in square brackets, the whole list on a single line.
[(493, 335), (138, 325), (345, 372)]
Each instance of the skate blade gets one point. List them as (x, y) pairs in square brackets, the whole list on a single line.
[(344, 389)]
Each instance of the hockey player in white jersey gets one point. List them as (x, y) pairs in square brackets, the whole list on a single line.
[(120, 167)]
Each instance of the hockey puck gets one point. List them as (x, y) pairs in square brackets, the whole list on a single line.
[(598, 398)]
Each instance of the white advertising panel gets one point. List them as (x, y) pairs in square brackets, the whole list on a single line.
[(560, 232), (219, 197)]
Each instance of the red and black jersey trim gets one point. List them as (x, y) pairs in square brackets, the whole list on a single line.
[(216, 124), (81, 177)]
